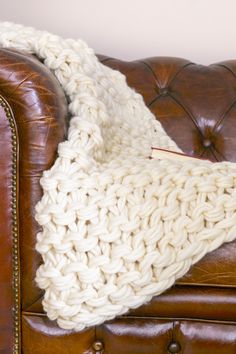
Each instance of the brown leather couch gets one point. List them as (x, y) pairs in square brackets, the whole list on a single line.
[(197, 106)]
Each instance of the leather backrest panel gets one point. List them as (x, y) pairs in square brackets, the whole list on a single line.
[(196, 104)]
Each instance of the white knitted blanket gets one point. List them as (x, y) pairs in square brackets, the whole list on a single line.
[(117, 227)]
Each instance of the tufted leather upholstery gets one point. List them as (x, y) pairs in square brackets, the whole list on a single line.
[(196, 105)]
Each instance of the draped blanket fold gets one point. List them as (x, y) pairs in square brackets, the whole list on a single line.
[(117, 227)]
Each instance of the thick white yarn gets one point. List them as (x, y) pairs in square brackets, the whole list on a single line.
[(117, 227)]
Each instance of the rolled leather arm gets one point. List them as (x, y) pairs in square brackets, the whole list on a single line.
[(33, 120)]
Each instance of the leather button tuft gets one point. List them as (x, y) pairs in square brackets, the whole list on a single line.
[(174, 347), (97, 345), (163, 91), (207, 143)]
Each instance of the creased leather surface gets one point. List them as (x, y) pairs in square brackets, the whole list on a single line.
[(39, 108), (129, 336), (42, 336)]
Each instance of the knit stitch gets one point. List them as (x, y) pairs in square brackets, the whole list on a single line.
[(117, 227)]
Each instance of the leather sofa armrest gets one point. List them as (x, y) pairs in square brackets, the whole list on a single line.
[(33, 121)]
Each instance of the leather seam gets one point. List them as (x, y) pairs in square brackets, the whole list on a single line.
[(195, 319)]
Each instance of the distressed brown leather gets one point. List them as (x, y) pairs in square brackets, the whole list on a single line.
[(130, 336), (196, 106), (39, 108)]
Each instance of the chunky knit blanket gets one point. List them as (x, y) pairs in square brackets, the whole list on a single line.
[(117, 226)]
